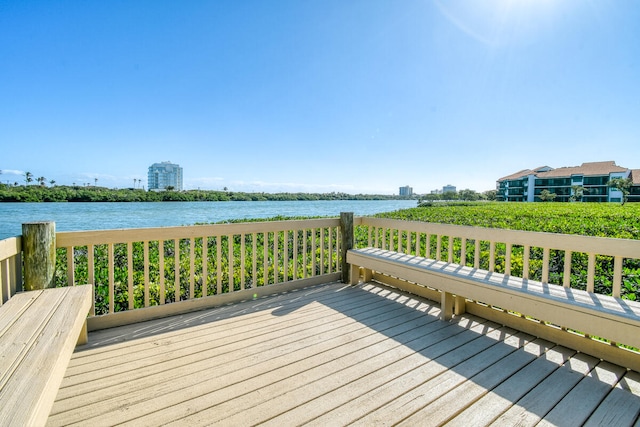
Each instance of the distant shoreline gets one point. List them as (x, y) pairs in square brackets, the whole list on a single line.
[(37, 193)]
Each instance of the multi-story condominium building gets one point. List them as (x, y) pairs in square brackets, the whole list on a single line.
[(588, 182), (406, 191), (164, 175), (449, 188), (634, 195)]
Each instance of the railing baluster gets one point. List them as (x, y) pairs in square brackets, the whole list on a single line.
[(147, 291), (71, 270), (285, 251), (463, 251), (545, 265), (438, 247), (322, 242), (399, 240), (265, 258), (617, 276), (205, 266), (5, 282), (417, 243), (276, 263), (295, 254), (591, 268), (492, 256), (427, 246), (176, 269), (566, 280), (330, 250), (450, 250), (369, 235), (304, 253), (91, 276), (338, 242), (314, 248), (130, 275), (192, 268), (161, 272), (526, 253), (254, 260), (218, 240), (377, 238), (230, 240), (111, 277), (242, 261), (476, 254)]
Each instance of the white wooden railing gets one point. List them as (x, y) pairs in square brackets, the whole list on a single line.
[(195, 262), (140, 270), (594, 264)]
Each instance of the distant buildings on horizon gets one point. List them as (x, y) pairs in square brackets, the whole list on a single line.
[(408, 190), (445, 189), (165, 176)]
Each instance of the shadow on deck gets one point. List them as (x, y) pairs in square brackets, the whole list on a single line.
[(336, 355)]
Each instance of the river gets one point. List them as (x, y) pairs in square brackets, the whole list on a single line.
[(104, 216)]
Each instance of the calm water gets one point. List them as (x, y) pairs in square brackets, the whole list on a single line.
[(102, 216)]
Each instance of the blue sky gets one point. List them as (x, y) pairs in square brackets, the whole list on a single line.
[(316, 95)]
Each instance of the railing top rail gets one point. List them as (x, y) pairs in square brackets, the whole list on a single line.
[(10, 247), (627, 248), (81, 238)]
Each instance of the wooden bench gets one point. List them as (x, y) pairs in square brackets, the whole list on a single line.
[(598, 315), (38, 333)]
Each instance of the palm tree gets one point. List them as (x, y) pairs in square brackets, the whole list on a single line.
[(95, 180), (28, 177), (52, 182), (41, 180)]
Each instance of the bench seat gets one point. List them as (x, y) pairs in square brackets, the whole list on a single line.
[(594, 314), (38, 333)]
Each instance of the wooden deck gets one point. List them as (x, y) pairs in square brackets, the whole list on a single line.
[(335, 355)]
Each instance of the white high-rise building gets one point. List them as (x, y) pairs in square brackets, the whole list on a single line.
[(406, 191), (164, 175)]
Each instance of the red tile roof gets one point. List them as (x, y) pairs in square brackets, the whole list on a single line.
[(593, 168), (522, 173), (587, 169)]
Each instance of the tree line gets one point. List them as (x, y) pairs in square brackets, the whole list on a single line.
[(462, 195), (92, 193)]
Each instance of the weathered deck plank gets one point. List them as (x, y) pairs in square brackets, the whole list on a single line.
[(585, 397), (539, 401), (620, 407), (331, 355)]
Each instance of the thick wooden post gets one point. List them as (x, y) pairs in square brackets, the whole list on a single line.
[(346, 226), (39, 248)]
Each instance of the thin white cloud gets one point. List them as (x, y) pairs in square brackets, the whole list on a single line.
[(12, 172)]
